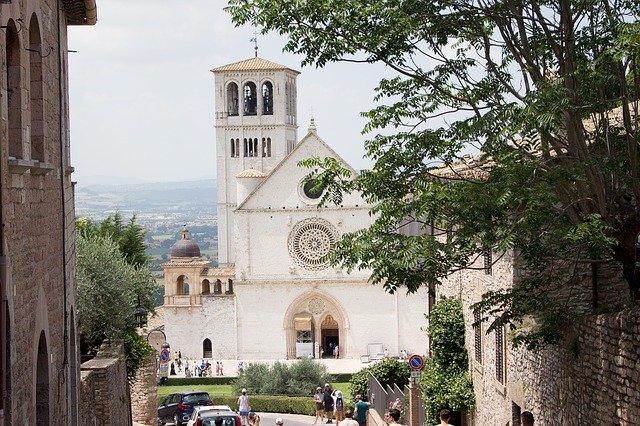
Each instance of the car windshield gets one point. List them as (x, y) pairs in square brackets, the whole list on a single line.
[(208, 419), (196, 398)]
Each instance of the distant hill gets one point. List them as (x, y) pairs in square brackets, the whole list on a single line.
[(161, 198)]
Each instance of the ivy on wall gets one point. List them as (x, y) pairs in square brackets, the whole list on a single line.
[(445, 382)]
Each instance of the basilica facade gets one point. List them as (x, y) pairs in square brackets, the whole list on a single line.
[(274, 294)]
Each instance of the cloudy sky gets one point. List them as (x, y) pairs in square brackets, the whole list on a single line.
[(141, 91)]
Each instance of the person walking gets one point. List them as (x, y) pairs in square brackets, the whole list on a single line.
[(348, 419), (338, 412), (243, 407), (318, 399), (328, 402), (445, 416), (527, 418), (394, 415), (361, 409)]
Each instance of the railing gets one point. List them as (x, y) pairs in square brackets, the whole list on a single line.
[(382, 399)]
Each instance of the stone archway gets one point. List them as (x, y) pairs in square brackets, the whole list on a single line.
[(311, 319), (42, 382)]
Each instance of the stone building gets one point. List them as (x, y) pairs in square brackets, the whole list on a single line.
[(585, 377), (39, 367), (274, 294)]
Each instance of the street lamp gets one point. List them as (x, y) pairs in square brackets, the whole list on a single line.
[(140, 314)]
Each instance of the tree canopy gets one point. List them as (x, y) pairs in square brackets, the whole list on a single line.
[(111, 281), (542, 93), (129, 236)]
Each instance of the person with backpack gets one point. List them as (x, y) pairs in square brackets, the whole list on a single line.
[(338, 412)]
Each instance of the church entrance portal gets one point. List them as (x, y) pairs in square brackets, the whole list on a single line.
[(314, 326)]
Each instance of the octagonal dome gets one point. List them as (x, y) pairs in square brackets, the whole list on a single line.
[(185, 247)]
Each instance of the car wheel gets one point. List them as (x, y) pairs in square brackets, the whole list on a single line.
[(176, 419)]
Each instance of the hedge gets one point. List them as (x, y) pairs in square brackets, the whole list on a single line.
[(272, 404), (189, 381), (228, 380)]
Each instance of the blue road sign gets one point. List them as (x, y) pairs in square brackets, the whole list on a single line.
[(164, 356), (416, 362)]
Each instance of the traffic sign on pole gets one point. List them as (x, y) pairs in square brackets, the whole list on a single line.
[(416, 362)]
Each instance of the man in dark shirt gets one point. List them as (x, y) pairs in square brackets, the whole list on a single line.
[(328, 402)]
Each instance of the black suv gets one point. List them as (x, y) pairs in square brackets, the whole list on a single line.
[(178, 406)]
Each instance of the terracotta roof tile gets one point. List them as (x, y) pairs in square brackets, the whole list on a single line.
[(253, 64)]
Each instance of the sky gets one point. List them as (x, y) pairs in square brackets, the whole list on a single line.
[(141, 91)]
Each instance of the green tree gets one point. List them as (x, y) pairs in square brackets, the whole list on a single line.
[(388, 371), (108, 292), (445, 382), (129, 236), (542, 92)]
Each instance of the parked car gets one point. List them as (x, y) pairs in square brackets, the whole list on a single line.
[(201, 408), (202, 416), (177, 407)]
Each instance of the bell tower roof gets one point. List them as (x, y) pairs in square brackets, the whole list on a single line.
[(253, 64)]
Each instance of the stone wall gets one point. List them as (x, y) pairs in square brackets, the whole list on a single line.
[(144, 393), (593, 377), (107, 375), (87, 394)]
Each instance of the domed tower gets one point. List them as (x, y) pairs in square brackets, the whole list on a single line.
[(185, 247), (182, 273), (256, 127)]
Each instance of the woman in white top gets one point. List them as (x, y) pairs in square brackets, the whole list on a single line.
[(243, 407)]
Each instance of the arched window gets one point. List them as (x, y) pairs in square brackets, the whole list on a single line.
[(250, 99), (251, 147), (235, 147), (182, 286), (42, 382), (206, 288), (217, 287), (35, 91), (229, 286), (14, 92), (206, 349), (267, 98), (266, 147), (232, 99)]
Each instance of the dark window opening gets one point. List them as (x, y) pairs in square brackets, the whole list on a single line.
[(267, 98), (250, 99), (232, 99)]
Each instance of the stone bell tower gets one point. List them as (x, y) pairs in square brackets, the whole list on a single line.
[(256, 127)]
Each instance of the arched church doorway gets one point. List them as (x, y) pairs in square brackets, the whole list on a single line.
[(206, 349), (42, 382), (314, 322), (330, 337)]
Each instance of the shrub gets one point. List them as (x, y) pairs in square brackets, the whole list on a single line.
[(388, 371), (299, 378)]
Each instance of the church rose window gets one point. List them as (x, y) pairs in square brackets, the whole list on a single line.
[(310, 242)]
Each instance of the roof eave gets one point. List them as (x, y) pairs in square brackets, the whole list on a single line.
[(80, 12)]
